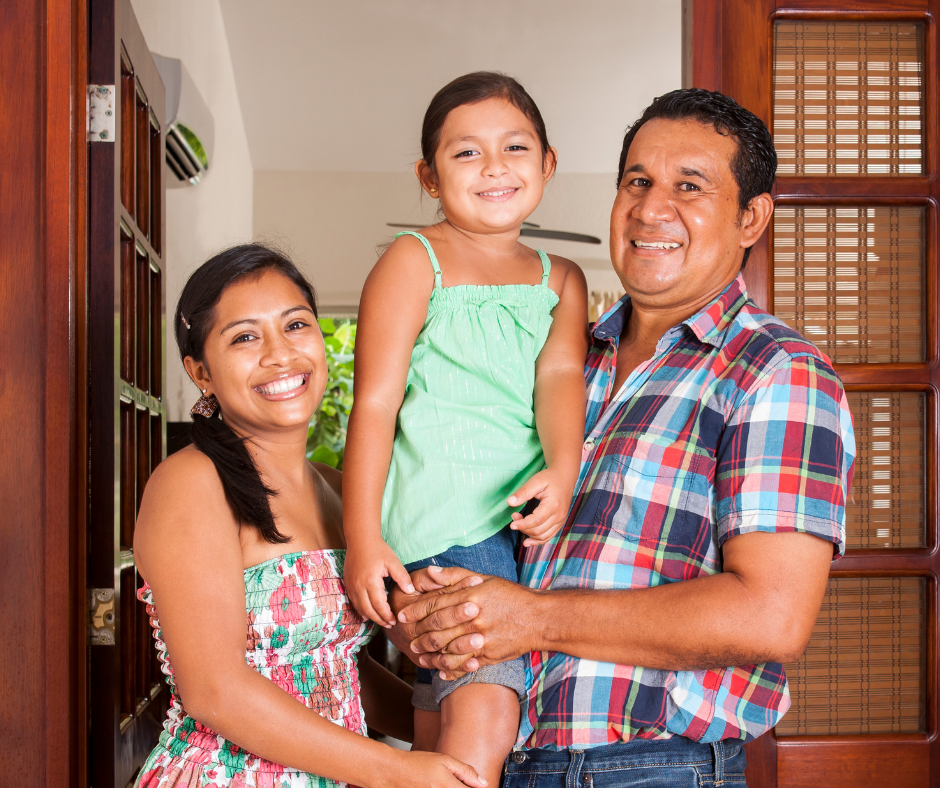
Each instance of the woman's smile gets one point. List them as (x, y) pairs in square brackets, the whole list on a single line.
[(287, 386)]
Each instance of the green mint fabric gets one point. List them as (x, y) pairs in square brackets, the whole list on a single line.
[(465, 437)]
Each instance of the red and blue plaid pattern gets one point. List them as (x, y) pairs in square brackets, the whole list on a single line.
[(737, 424)]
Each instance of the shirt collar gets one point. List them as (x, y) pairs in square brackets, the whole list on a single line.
[(709, 324)]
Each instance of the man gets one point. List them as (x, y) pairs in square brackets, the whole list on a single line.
[(717, 460)]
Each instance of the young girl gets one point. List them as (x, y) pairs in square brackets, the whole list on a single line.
[(469, 382), (259, 643)]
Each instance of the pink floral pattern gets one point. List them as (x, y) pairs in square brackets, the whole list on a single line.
[(302, 634)]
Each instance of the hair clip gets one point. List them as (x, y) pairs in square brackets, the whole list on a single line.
[(185, 322)]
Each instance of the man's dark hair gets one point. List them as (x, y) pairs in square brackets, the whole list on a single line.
[(753, 166)]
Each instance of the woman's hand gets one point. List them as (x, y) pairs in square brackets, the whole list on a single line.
[(368, 563), (432, 770), (553, 490)]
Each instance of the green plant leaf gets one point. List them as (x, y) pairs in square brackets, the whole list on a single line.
[(325, 455)]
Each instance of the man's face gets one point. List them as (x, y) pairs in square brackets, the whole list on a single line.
[(677, 236)]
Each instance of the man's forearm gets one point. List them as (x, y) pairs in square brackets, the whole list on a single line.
[(761, 608), (690, 625)]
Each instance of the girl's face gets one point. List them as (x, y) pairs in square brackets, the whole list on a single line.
[(263, 357), (489, 170)]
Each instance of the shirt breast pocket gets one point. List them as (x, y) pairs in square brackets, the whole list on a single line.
[(658, 492)]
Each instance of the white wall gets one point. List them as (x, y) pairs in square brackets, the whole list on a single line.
[(218, 211), (331, 223), (345, 86)]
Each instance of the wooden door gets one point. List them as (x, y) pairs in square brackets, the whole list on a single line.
[(127, 430), (850, 260)]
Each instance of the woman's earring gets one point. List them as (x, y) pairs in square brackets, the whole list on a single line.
[(205, 406)]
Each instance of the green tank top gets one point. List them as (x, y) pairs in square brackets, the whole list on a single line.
[(465, 438)]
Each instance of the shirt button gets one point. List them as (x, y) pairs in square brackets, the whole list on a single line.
[(518, 757), (589, 444)]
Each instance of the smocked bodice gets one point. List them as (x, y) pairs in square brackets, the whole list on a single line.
[(302, 634)]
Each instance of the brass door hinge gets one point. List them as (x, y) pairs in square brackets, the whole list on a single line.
[(100, 113), (101, 617)]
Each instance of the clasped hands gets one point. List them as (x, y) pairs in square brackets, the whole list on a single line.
[(458, 621)]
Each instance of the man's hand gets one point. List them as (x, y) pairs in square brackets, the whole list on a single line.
[(467, 624)]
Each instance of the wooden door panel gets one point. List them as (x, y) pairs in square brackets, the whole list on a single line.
[(850, 260), (127, 298)]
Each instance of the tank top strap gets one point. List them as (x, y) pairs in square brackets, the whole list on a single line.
[(436, 265), (546, 266)]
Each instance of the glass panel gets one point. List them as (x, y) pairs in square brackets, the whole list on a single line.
[(886, 503), (848, 98), (143, 454), (864, 669), (143, 320), (128, 644), (156, 187), (128, 488), (128, 299), (851, 280), (143, 162), (128, 155)]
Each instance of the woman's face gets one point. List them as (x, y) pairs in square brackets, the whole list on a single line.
[(263, 357)]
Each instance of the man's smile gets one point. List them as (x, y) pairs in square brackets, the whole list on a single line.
[(656, 244)]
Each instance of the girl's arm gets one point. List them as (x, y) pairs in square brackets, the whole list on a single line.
[(392, 312), (560, 401), (386, 700), (187, 548)]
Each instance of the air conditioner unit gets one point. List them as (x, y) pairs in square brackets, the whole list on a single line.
[(190, 129)]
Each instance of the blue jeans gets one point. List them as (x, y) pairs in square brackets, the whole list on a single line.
[(494, 556), (665, 763)]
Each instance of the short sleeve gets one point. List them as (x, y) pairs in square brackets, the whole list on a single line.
[(786, 456)]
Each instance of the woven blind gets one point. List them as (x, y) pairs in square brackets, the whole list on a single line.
[(848, 98), (851, 280), (886, 503), (864, 669)]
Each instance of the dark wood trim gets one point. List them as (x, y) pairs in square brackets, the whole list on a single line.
[(42, 309), (731, 50)]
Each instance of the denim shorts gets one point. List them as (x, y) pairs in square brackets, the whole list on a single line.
[(494, 556), (651, 763)]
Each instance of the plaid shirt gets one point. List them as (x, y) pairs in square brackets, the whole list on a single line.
[(737, 424)]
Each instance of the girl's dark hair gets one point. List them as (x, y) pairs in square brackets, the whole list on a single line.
[(195, 314), (754, 164), (472, 89)]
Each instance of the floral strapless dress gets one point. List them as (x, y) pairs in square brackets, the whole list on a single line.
[(303, 634)]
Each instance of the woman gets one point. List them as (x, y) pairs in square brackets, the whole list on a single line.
[(241, 524)]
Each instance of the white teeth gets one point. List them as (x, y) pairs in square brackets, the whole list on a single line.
[(655, 245), (282, 386), (498, 193)]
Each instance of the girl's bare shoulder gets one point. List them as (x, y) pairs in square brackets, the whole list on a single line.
[(566, 275)]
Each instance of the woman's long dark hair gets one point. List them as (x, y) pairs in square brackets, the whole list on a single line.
[(246, 493)]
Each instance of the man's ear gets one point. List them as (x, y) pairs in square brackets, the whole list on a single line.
[(755, 217)]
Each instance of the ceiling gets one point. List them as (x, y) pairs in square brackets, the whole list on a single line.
[(340, 86)]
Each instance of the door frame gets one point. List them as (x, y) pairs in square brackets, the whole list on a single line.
[(712, 28), (43, 255)]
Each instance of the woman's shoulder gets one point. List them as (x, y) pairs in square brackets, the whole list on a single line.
[(183, 487), (183, 503), (188, 470)]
